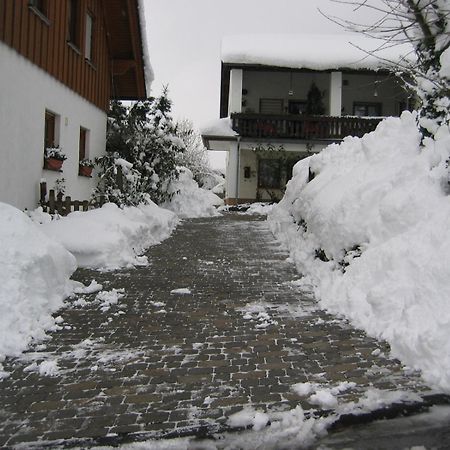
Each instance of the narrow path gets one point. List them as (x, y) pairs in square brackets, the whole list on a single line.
[(161, 362)]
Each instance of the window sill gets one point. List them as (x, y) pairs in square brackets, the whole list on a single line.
[(40, 14), (74, 47), (90, 64)]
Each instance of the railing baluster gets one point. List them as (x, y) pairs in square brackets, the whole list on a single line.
[(301, 127)]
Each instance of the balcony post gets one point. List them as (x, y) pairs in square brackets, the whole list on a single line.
[(235, 94), (335, 94), (232, 179)]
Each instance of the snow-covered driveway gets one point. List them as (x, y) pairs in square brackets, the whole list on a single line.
[(214, 326)]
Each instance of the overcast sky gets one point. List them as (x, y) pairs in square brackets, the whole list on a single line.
[(184, 38)]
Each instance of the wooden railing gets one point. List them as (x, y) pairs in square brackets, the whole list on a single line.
[(301, 127)]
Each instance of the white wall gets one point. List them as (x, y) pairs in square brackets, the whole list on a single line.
[(25, 93)]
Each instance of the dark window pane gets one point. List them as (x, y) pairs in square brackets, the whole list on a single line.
[(73, 22), (50, 123), (82, 144), (269, 173)]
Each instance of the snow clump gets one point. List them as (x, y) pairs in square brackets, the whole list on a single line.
[(190, 201)]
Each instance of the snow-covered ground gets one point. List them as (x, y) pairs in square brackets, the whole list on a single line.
[(370, 234), (39, 255)]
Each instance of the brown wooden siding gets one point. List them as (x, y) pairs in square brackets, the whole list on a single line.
[(44, 42)]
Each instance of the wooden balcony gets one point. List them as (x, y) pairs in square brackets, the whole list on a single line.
[(301, 127)]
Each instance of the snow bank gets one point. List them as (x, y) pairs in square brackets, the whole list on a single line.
[(111, 237), (34, 280), (189, 200), (316, 52), (370, 233)]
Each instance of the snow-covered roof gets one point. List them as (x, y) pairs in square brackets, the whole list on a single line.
[(148, 69), (218, 127), (316, 52)]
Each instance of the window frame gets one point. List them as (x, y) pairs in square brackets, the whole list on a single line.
[(83, 144), (51, 121), (40, 8), (265, 164), (366, 106), (89, 37), (274, 101), (297, 103)]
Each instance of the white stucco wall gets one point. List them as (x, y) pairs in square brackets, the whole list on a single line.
[(26, 92)]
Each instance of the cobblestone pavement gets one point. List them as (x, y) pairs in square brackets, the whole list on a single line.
[(162, 362)]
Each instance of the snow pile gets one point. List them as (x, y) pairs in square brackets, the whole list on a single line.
[(316, 52), (34, 280), (370, 233), (189, 200), (111, 237)]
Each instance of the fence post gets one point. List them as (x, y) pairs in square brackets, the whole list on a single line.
[(76, 205), (67, 206), (85, 205), (51, 201), (42, 192)]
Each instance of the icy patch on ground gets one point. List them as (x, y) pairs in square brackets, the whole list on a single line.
[(257, 208), (181, 291), (109, 298), (94, 351), (257, 312)]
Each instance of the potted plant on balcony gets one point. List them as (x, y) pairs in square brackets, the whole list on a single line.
[(53, 158), (85, 167)]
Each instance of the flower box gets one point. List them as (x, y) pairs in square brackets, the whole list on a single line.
[(85, 171), (53, 158), (53, 164)]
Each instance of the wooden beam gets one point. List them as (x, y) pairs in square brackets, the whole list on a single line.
[(136, 38), (122, 66)]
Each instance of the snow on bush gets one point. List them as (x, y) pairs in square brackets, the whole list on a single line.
[(189, 200), (111, 237), (34, 280), (370, 233)]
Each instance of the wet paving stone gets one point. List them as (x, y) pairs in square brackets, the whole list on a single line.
[(157, 361)]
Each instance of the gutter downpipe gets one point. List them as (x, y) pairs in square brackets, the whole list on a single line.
[(238, 168)]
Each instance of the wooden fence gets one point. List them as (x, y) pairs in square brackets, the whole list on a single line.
[(58, 204)]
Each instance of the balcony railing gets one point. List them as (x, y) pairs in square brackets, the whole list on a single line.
[(301, 127)]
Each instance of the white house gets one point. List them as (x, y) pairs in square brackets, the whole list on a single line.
[(284, 97), (61, 63)]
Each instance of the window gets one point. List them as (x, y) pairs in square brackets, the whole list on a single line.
[(362, 109), (50, 138), (83, 144), (39, 6), (271, 106), (89, 37), (73, 26), (297, 107), (269, 173), (290, 163)]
